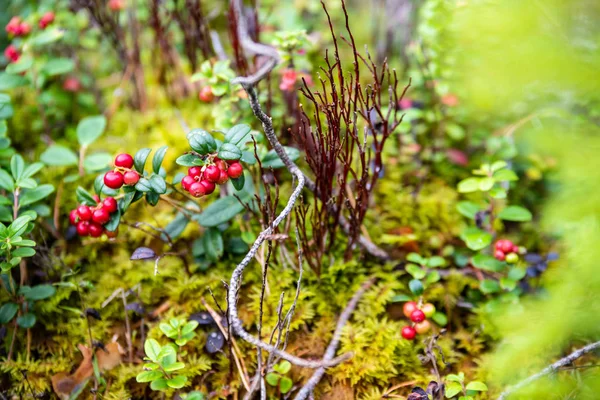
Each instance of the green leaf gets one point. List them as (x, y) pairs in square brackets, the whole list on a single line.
[(148, 376), (468, 185), (39, 292), (90, 129), (152, 198), (416, 287), (201, 141), (158, 158), (505, 175), (498, 165), (85, 197), (58, 66), (32, 170), (26, 320), (34, 195), (11, 81), (272, 378), (152, 349), (272, 160), (23, 252), (415, 257), (488, 286), (8, 312), (283, 367), (177, 382), (24, 63), (486, 184), (159, 384), (46, 37), (515, 213), (189, 160), (285, 384), (6, 181), (400, 298), (238, 183), (143, 185), (139, 160), (452, 389), (17, 166), (158, 184), (468, 208), (517, 273), (59, 156), (415, 271), (220, 211), (476, 239), (97, 162), (477, 386), (213, 244), (436, 261), (440, 318), (238, 135), (168, 329), (454, 378), (113, 222), (175, 366), (487, 263), (189, 327), (229, 151), (248, 158), (18, 225), (507, 284), (176, 227)]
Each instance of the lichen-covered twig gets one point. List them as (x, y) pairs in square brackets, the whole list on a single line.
[(551, 368), (309, 386)]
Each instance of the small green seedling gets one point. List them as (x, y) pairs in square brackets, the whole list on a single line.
[(278, 378), (456, 385)]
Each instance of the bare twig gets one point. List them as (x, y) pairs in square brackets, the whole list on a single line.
[(309, 386), (551, 368)]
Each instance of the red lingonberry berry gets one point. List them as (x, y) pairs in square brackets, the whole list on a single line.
[(71, 85), (110, 204), (85, 214), (222, 165), (124, 160), (197, 190), (112, 234), (113, 180), (46, 19), (96, 230), (499, 255), (408, 308), (13, 25), (195, 172), (24, 29), (417, 316), (101, 216), (206, 94), (223, 177), (11, 53), (130, 178), (73, 217), (423, 327), (515, 249), (235, 170), (96, 198), (116, 5), (209, 187), (212, 173), (504, 245), (186, 182), (83, 228), (408, 333)]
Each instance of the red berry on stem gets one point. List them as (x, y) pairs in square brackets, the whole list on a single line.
[(83, 228), (408, 333), (212, 173), (130, 178), (222, 165), (186, 182), (124, 160), (408, 308), (101, 216), (206, 94), (110, 204), (235, 170), (195, 172), (417, 316), (504, 245), (113, 180), (197, 190), (73, 217), (223, 177), (96, 230), (499, 255), (209, 187), (84, 213)]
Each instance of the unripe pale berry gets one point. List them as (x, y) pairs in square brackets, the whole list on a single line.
[(408, 308), (101, 216), (235, 170), (512, 258), (408, 333), (83, 228), (209, 187), (113, 180), (428, 309), (212, 173), (96, 230), (110, 204), (124, 160), (84, 212), (130, 178), (417, 316), (423, 327)]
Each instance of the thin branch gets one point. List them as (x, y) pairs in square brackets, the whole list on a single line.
[(309, 386), (551, 368)]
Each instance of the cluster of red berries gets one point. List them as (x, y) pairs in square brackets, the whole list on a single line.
[(16, 27), (419, 318), (505, 250), (12, 54), (122, 174), (91, 220), (46, 20), (201, 181)]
